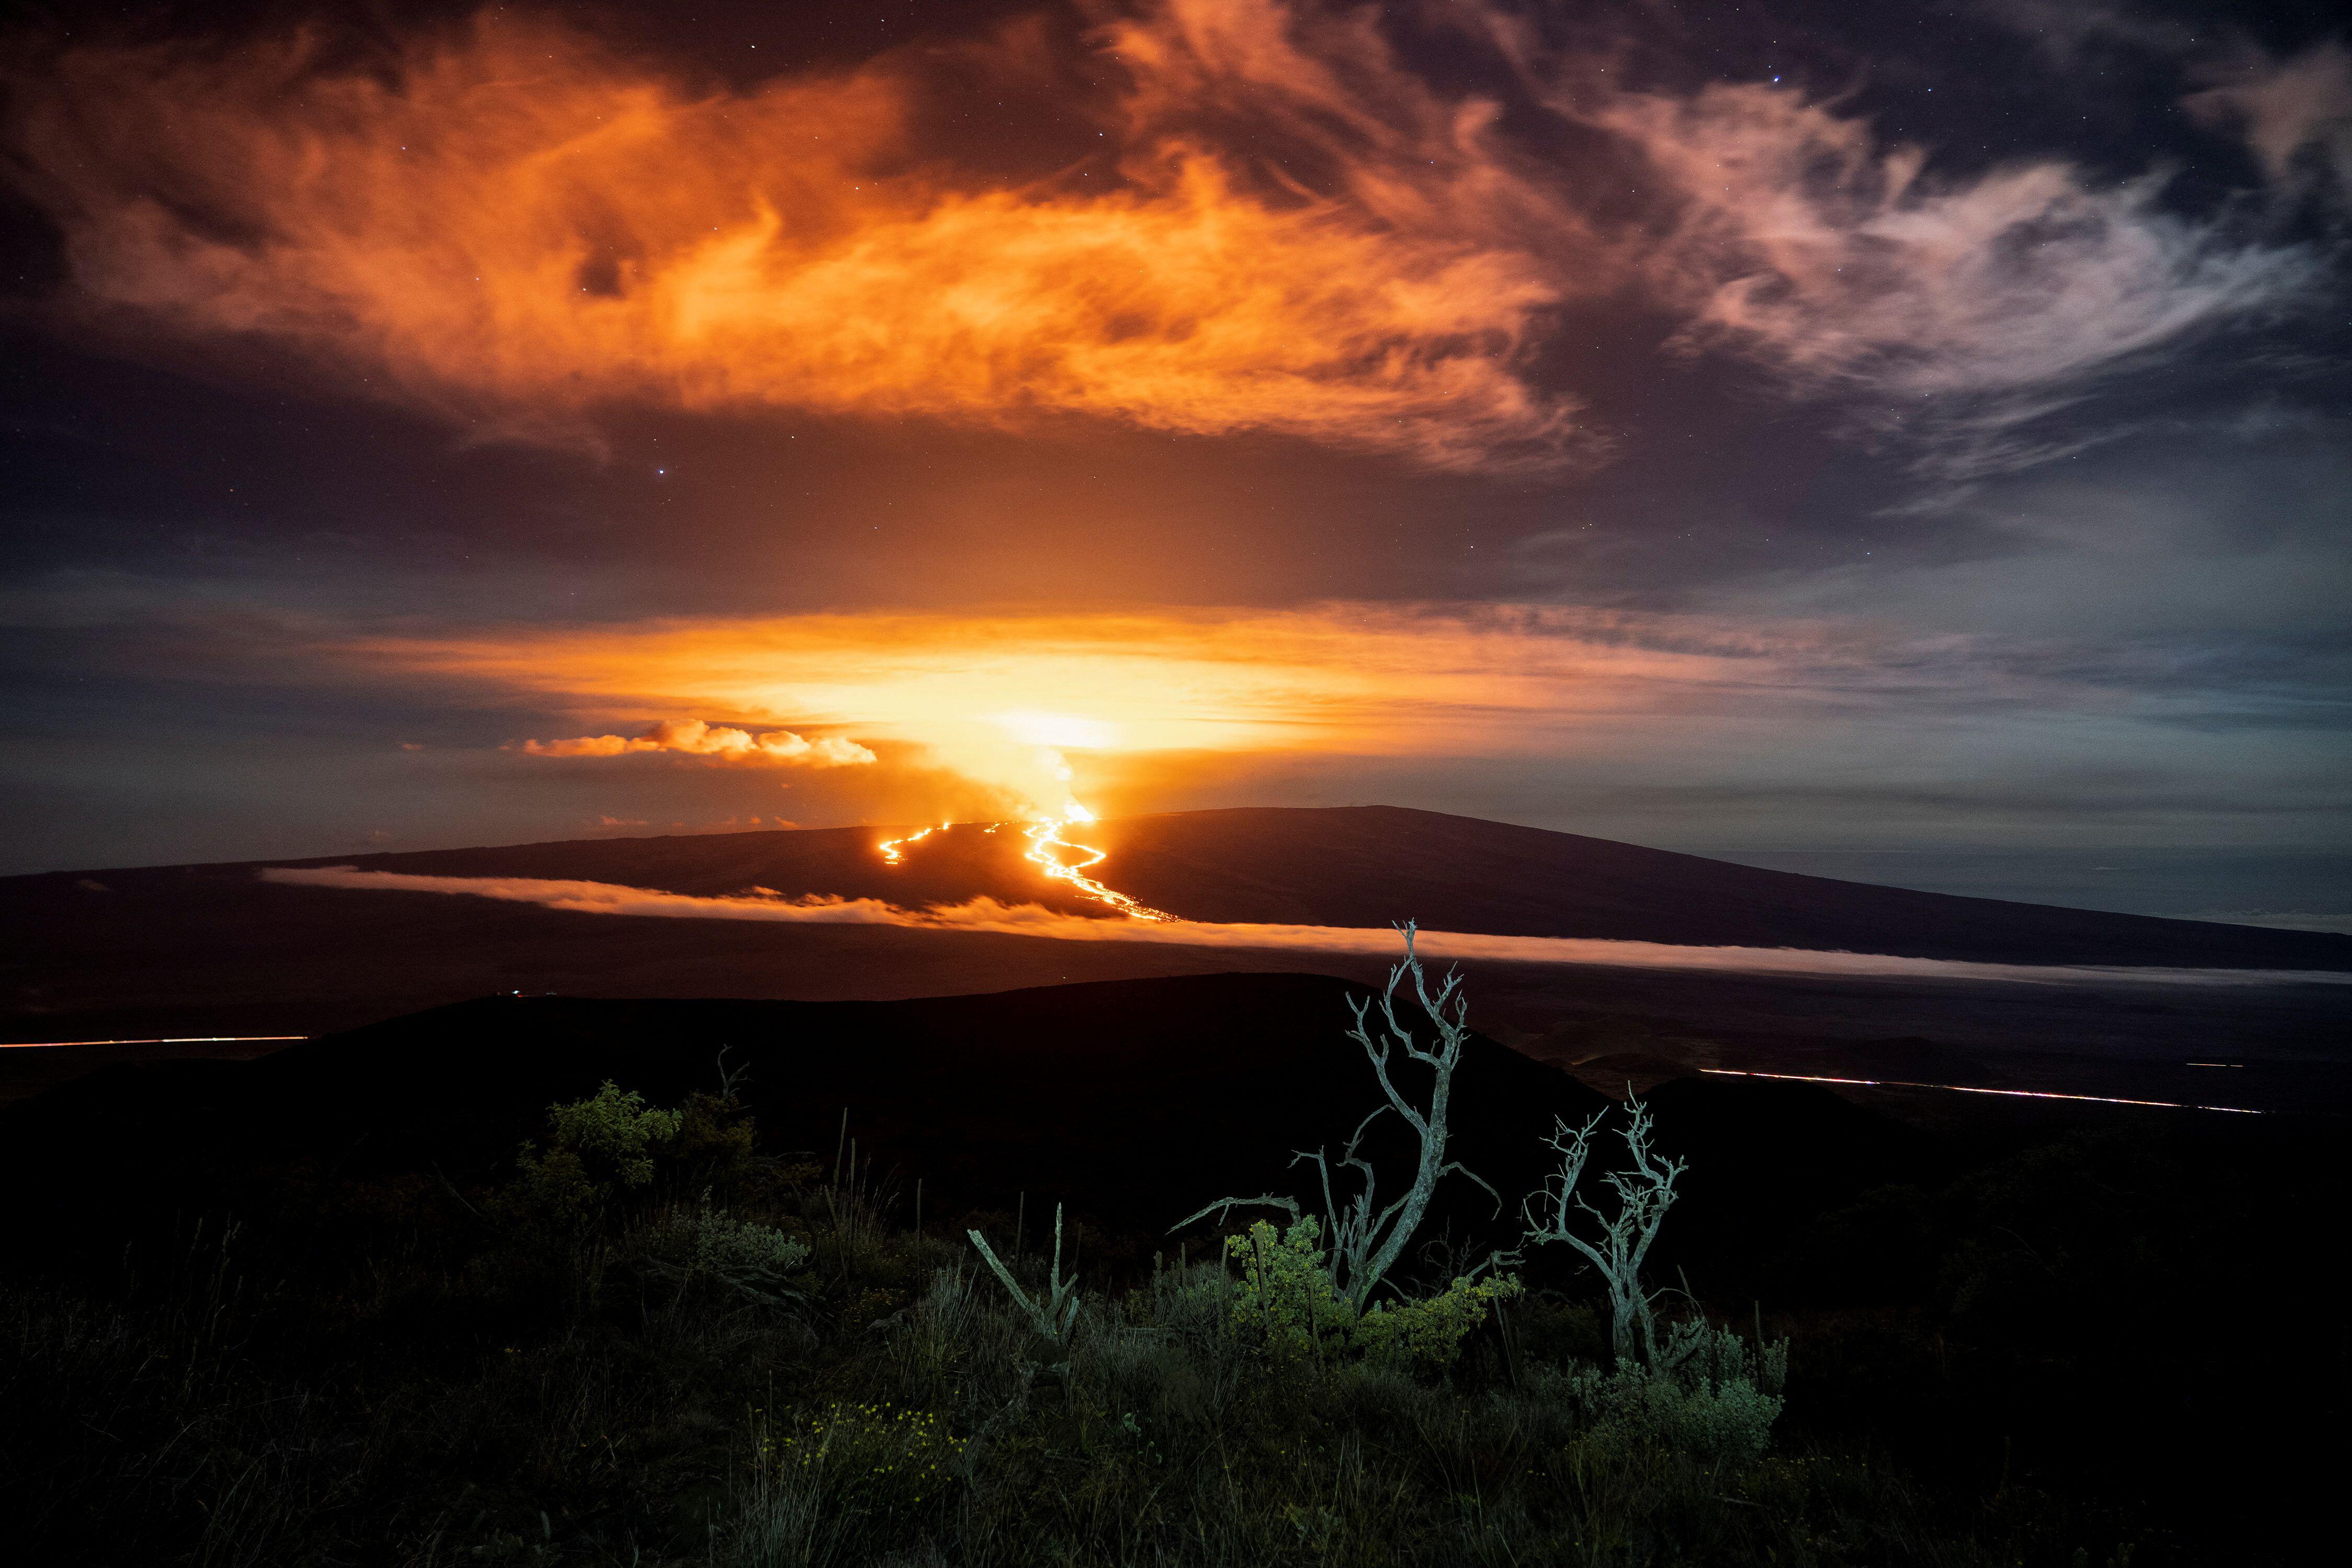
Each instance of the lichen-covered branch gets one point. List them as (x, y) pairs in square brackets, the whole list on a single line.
[(1644, 1192), (1367, 1239)]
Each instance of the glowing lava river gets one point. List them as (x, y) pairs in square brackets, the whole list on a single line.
[(1047, 849)]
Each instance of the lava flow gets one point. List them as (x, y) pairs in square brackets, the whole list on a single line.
[(1044, 835), (893, 852)]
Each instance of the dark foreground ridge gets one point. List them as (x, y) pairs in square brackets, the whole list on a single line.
[(313, 1333), (1133, 1101)]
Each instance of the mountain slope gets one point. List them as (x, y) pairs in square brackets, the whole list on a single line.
[(215, 949), (1367, 865)]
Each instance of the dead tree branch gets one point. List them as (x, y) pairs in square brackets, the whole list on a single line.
[(1367, 1238), (1644, 1192)]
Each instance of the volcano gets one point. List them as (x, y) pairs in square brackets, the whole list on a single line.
[(217, 950)]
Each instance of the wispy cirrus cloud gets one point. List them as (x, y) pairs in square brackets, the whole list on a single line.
[(1958, 310), (2295, 113)]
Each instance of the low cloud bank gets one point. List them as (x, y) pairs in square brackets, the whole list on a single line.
[(1030, 920), (693, 737)]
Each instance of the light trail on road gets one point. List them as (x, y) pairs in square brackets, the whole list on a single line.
[(162, 1040), (1965, 1088)]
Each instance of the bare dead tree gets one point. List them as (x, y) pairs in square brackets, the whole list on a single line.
[(1644, 1192), (1366, 1239)]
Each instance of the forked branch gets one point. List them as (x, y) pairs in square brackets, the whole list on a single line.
[(1367, 1239), (1644, 1192)]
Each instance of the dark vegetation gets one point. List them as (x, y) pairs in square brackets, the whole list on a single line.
[(324, 1308)]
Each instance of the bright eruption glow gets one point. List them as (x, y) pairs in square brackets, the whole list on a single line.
[(894, 850), (1010, 698), (1045, 838), (1045, 830), (1044, 852)]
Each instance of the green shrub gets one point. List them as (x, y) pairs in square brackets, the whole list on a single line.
[(1287, 1302), (1427, 1335), (745, 1257), (1718, 1405), (596, 1149), (613, 1133), (745, 1250)]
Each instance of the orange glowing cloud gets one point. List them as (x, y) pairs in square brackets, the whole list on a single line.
[(1046, 707), (1278, 224), (695, 738), (1366, 678), (510, 222)]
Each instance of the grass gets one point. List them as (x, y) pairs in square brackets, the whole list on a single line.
[(647, 1344), (392, 1374)]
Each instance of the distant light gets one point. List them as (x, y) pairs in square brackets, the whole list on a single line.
[(166, 1040), (1965, 1088)]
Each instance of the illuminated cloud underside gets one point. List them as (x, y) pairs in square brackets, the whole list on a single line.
[(1392, 677), (693, 737), (1286, 228), (1032, 706), (1010, 701), (520, 225)]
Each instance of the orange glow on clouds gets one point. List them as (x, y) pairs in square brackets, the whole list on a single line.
[(1278, 224), (1020, 701), (1376, 678), (516, 224), (695, 738)]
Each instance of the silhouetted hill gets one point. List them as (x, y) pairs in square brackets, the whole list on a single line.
[(214, 949), (1134, 1101), (1367, 865)]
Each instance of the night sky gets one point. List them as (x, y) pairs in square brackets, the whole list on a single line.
[(1788, 427)]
